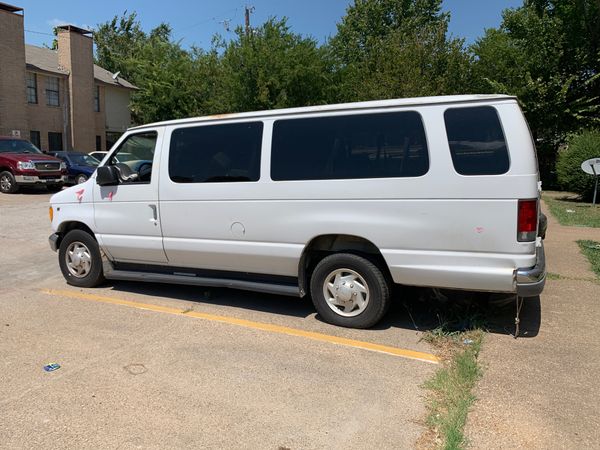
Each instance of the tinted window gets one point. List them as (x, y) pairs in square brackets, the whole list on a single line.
[(476, 141), (357, 146), (216, 153)]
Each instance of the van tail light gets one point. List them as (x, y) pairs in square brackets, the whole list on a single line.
[(527, 220)]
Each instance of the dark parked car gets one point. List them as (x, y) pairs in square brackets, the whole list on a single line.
[(23, 164), (80, 166)]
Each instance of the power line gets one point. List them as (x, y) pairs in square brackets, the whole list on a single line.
[(214, 18), (39, 32)]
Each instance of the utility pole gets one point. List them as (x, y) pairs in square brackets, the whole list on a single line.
[(248, 10)]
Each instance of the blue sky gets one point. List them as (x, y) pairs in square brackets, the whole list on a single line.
[(195, 21)]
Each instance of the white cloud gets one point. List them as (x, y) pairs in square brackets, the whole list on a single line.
[(58, 22)]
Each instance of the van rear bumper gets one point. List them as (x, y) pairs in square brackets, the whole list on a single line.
[(522, 273), (531, 280)]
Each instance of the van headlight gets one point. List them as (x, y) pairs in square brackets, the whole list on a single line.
[(63, 165), (25, 165)]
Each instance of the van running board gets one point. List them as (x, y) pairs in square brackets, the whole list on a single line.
[(269, 288)]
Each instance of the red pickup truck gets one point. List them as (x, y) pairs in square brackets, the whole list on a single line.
[(23, 164)]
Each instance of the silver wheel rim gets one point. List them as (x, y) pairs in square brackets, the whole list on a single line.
[(81, 179), (346, 292), (78, 259), (5, 183)]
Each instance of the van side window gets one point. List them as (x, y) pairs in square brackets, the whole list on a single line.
[(216, 153), (476, 141), (350, 146), (135, 156)]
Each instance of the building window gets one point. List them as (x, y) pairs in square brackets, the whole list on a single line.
[(55, 142), (34, 137), (111, 139), (52, 91), (31, 87), (98, 143), (97, 99)]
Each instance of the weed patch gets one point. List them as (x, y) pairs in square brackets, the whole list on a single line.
[(572, 212), (591, 249)]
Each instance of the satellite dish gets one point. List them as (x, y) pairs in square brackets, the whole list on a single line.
[(116, 75), (591, 166)]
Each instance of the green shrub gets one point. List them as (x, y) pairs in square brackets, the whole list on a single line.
[(568, 167)]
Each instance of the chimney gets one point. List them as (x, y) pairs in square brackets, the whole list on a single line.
[(75, 54), (13, 99)]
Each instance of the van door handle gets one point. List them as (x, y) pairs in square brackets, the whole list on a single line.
[(154, 214)]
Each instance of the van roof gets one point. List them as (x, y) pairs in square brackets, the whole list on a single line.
[(416, 101)]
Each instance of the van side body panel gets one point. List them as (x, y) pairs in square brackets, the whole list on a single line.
[(441, 229)]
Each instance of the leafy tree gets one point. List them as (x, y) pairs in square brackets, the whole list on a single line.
[(581, 147), (271, 67), (391, 48), (173, 82), (546, 53), (368, 22)]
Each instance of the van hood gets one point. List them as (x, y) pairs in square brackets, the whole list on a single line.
[(80, 193)]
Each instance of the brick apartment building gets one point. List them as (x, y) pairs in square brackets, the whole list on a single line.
[(58, 99)]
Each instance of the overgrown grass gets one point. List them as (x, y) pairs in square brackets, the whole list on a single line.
[(572, 212), (451, 388), (591, 249)]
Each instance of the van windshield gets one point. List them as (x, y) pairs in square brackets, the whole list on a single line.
[(17, 146)]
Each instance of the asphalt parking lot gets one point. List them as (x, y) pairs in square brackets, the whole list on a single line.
[(155, 366)]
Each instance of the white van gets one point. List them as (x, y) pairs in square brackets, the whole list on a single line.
[(337, 201)]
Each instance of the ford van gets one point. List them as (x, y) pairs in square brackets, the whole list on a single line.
[(339, 202)]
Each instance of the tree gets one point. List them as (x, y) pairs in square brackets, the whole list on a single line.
[(369, 22), (547, 54), (391, 48), (173, 82), (271, 67)]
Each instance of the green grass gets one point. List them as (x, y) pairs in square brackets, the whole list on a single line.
[(451, 388), (571, 212), (591, 249)]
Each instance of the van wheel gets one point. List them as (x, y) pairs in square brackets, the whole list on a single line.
[(79, 259), (8, 184), (349, 290)]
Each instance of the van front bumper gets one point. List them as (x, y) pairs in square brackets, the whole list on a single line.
[(53, 240), (531, 280)]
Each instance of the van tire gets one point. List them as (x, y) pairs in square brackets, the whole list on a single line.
[(8, 184), (377, 286), (86, 243)]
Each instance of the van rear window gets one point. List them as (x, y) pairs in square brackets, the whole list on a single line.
[(351, 146), (476, 141), (216, 153)]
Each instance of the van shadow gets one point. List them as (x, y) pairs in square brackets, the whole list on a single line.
[(424, 309), (418, 309)]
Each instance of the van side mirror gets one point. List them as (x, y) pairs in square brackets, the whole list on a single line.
[(106, 176)]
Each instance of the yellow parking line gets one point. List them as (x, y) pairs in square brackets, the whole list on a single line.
[(404, 353)]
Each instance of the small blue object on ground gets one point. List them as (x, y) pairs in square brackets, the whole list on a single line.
[(51, 367)]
